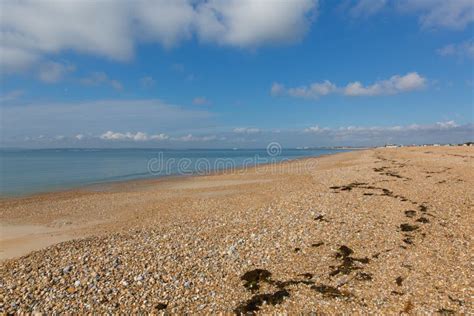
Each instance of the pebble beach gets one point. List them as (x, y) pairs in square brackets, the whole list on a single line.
[(383, 231)]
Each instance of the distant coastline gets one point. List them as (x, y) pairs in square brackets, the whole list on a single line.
[(35, 171)]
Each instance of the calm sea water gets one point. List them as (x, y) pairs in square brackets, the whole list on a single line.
[(24, 172)]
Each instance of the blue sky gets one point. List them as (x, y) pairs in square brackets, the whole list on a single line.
[(236, 73)]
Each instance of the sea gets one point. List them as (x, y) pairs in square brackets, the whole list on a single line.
[(29, 171)]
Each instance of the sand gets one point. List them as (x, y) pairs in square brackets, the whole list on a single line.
[(383, 231)]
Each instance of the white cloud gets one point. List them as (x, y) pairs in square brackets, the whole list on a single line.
[(345, 130), (315, 129), (101, 78), (251, 23), (192, 138), (451, 14), (440, 132), (366, 8), (11, 95), (394, 85), (161, 136), (447, 124), (246, 130), (201, 101), (313, 91), (51, 72), (277, 89), (129, 136), (31, 30), (69, 118), (147, 82), (464, 49)]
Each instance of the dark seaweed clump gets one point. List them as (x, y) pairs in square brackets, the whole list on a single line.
[(363, 276), (344, 251), (307, 275), (328, 291), (253, 278), (399, 281), (445, 311), (252, 282), (348, 187), (161, 306), (348, 262), (320, 218), (408, 227), (423, 220), (410, 213), (253, 304)]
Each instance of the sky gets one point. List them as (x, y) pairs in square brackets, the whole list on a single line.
[(235, 73)]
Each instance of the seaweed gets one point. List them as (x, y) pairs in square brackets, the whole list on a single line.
[(307, 275), (399, 281), (410, 213), (349, 186), (253, 304), (282, 285), (344, 251), (408, 228), (253, 278), (328, 291), (161, 306), (446, 311), (363, 276), (348, 262), (321, 218), (423, 220), (423, 208)]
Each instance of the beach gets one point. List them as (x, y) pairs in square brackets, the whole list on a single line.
[(370, 231)]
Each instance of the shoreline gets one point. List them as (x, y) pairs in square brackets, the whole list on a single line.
[(106, 184), (402, 218), (35, 237)]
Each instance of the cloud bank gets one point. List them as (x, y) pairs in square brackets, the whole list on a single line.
[(98, 117), (394, 85), (454, 14), (462, 50), (313, 136), (31, 30), (446, 14)]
